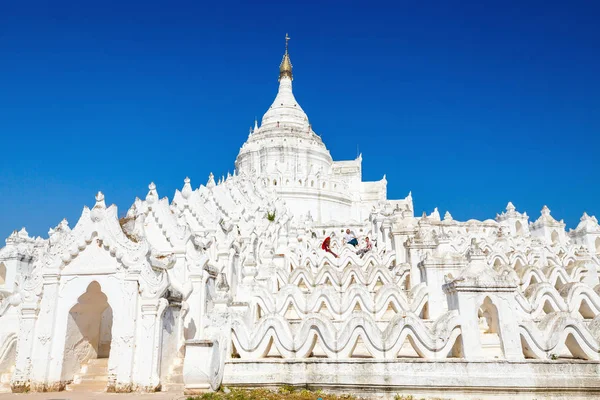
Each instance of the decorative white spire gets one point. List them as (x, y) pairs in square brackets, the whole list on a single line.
[(545, 211), (100, 200), (152, 195), (285, 68), (285, 112), (186, 191), (211, 181)]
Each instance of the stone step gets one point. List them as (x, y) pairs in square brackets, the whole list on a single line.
[(94, 378), (94, 369), (98, 361), (88, 387), (5, 378), (173, 387), (175, 378)]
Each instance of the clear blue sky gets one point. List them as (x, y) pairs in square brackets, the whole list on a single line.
[(467, 105)]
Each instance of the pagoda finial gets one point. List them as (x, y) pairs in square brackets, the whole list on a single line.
[(285, 68)]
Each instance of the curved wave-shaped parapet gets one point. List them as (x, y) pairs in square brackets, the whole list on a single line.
[(579, 272), (393, 295), (575, 298), (340, 305), (315, 258), (544, 298), (301, 275), (524, 305), (340, 341), (556, 330), (270, 329), (582, 298), (558, 276), (373, 278), (530, 275), (594, 328), (519, 260)]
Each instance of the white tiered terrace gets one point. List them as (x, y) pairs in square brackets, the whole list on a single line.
[(205, 290)]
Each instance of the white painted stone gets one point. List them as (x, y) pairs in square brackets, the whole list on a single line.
[(228, 284)]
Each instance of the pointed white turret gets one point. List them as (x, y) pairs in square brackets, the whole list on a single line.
[(211, 181), (152, 195), (513, 222), (285, 112), (186, 191), (510, 207), (548, 228)]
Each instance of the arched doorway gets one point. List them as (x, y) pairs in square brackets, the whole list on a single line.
[(519, 228), (89, 331), (554, 237), (491, 343), (598, 245), (2, 273)]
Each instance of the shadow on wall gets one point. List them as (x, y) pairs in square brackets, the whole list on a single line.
[(89, 327), (490, 335)]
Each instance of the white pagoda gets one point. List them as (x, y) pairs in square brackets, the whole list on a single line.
[(227, 285), (285, 153)]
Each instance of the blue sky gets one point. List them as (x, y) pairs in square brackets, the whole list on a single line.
[(467, 105)]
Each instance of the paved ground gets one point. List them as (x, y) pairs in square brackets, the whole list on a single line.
[(93, 396)]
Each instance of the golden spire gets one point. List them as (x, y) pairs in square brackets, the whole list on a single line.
[(285, 68)]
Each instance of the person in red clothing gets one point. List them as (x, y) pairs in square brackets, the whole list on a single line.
[(327, 246)]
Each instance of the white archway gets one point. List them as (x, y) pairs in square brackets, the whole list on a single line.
[(519, 228), (554, 237), (490, 335), (121, 297), (89, 331)]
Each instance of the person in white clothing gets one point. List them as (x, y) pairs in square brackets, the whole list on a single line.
[(350, 238)]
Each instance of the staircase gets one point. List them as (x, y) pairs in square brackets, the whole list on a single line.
[(5, 381), (93, 376), (174, 381)]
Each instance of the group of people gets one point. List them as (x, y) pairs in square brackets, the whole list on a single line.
[(349, 238)]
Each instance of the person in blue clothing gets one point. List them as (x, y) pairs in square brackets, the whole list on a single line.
[(350, 238)]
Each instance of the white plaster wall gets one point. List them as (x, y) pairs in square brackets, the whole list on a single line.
[(170, 340), (321, 209), (155, 235), (105, 333), (8, 352), (11, 270)]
